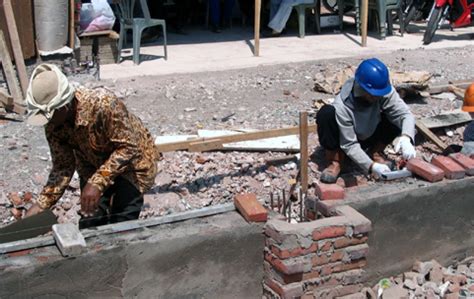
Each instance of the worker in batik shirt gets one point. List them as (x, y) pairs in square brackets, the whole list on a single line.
[(93, 133)]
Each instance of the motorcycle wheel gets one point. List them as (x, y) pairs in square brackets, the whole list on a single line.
[(410, 15), (433, 24)]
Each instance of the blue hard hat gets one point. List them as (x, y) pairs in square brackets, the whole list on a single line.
[(372, 75)]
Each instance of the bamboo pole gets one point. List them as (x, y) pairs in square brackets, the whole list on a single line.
[(257, 28), (364, 20)]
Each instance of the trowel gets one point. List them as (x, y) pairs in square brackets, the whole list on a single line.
[(28, 227), (396, 174)]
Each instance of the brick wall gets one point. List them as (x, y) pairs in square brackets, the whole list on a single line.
[(318, 259)]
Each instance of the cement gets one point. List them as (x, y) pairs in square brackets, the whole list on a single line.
[(432, 221), (215, 257)]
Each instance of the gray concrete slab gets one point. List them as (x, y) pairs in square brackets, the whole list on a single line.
[(215, 257), (202, 51), (422, 221)]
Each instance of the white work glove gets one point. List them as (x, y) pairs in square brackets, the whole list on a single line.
[(378, 169), (404, 144)]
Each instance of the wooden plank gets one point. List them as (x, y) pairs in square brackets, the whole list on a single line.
[(5, 99), (9, 71), (304, 151), (184, 145), (430, 135), (448, 87), (207, 145), (16, 45), (258, 5), (364, 19)]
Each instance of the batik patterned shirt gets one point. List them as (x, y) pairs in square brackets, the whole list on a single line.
[(104, 141)]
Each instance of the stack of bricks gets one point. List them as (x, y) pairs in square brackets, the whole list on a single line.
[(456, 166), (318, 259)]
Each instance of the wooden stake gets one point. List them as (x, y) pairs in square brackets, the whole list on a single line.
[(9, 71), (364, 19), (71, 24), (257, 28), (304, 150), (16, 45)]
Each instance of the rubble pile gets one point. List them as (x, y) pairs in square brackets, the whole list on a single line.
[(429, 280)]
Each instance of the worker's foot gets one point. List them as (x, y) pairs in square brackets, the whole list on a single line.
[(215, 29), (331, 173), (271, 33)]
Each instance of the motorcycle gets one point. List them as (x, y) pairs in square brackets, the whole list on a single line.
[(457, 12), (417, 10)]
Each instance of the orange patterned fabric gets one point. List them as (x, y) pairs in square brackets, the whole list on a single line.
[(105, 141)]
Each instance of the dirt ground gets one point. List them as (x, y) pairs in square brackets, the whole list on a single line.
[(255, 98)]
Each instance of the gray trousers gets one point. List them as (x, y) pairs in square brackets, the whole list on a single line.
[(280, 11)]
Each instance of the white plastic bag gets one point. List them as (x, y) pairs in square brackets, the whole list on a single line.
[(96, 16)]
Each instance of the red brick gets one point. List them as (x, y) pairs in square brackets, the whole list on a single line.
[(452, 296), (458, 279), (452, 170), (285, 291), (329, 232), (250, 208), (465, 162), (319, 260), (425, 170), (336, 256), (329, 191), (326, 246), (20, 253), (15, 199), (293, 252), (345, 242), (289, 266)]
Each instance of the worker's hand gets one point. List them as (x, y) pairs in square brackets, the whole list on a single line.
[(90, 196), (407, 149), (33, 210), (378, 169)]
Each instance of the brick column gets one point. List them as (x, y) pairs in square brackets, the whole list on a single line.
[(318, 259)]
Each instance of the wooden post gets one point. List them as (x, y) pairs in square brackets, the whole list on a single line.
[(304, 151), (10, 74), (72, 33), (364, 19), (16, 45), (257, 28)]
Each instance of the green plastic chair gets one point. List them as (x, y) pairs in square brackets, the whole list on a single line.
[(382, 8), (301, 10), (128, 21)]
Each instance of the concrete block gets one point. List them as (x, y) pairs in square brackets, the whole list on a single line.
[(69, 239), (425, 170), (452, 170), (329, 191), (250, 208), (466, 162)]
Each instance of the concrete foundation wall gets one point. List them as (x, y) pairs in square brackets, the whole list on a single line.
[(214, 257), (430, 222)]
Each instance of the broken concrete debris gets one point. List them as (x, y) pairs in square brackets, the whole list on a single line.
[(431, 280)]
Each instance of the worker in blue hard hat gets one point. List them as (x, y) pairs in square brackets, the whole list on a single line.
[(366, 116)]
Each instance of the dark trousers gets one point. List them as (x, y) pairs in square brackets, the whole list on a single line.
[(120, 202), (215, 11), (328, 130)]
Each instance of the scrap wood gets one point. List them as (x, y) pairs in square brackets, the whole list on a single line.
[(448, 87), (446, 119), (16, 46), (185, 144), (9, 70), (331, 82), (430, 135), (6, 101)]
